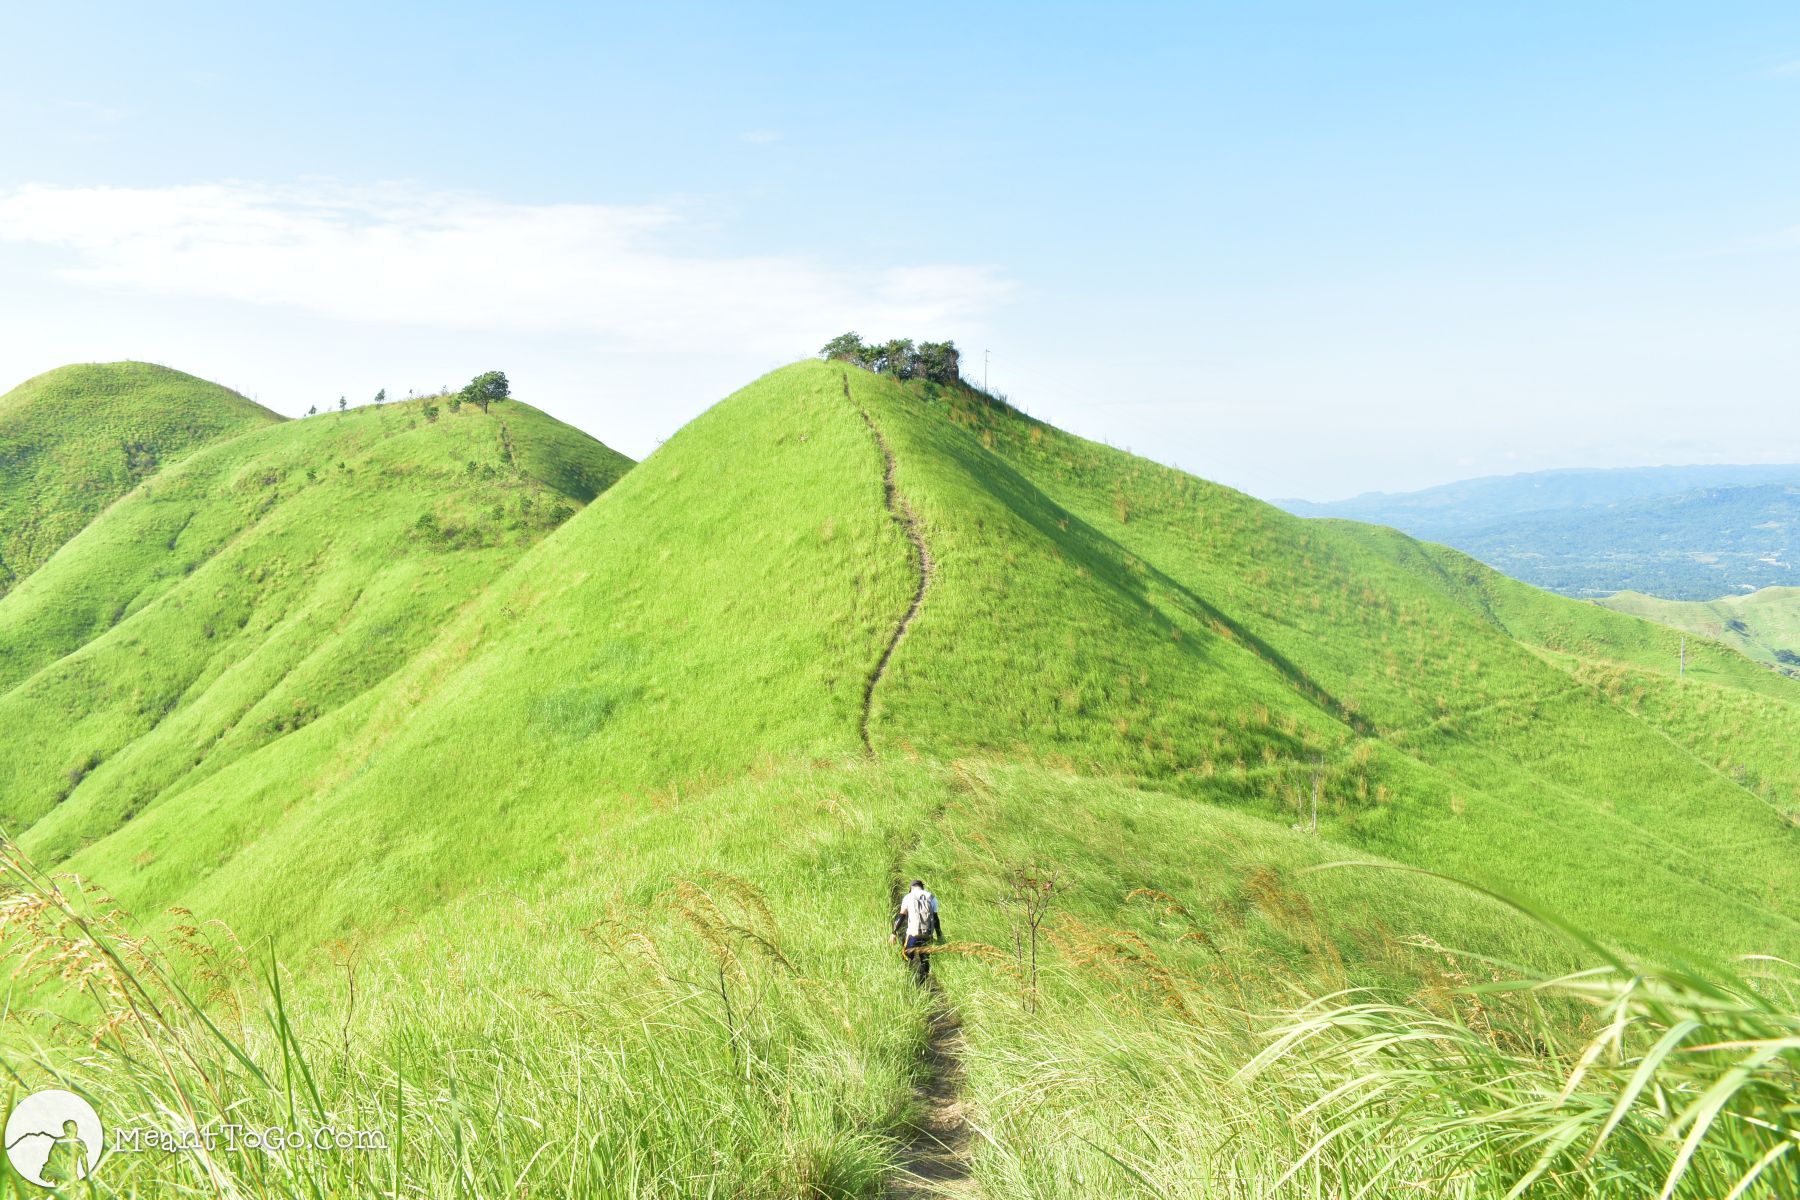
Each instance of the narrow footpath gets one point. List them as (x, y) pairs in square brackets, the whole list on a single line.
[(934, 1156), (934, 1159), (903, 516)]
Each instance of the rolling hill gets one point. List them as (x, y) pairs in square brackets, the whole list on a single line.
[(257, 585), (1687, 533), (1764, 625), (591, 824), (75, 439)]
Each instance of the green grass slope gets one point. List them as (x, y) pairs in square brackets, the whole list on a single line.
[(1087, 611), (716, 612), (256, 586), (75, 439), (619, 831), (1763, 625), (1466, 722)]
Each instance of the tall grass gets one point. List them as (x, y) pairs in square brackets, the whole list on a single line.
[(1678, 1086), (698, 1051), (1685, 1086), (1216, 1017), (698, 1061)]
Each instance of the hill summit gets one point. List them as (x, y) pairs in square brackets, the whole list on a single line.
[(75, 439), (261, 581)]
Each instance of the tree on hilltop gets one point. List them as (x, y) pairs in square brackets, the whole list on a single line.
[(897, 358), (845, 347), (489, 387), (937, 361)]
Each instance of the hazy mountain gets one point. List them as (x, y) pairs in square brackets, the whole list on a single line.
[(1690, 533)]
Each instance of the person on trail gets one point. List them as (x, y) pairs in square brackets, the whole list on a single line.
[(917, 922)]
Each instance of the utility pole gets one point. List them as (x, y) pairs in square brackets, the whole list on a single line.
[(984, 365), (1318, 772)]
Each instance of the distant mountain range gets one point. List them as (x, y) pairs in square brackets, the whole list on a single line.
[(1683, 533)]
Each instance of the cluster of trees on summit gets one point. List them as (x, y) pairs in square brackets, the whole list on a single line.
[(936, 361), (489, 387)]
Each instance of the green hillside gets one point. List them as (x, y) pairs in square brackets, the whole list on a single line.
[(75, 439), (603, 840), (256, 586), (1764, 625)]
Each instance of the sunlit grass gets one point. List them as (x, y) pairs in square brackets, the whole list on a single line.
[(75, 439), (582, 889)]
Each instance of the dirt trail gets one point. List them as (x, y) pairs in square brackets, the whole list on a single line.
[(903, 516), (934, 1160)]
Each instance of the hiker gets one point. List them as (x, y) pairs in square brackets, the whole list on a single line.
[(917, 921)]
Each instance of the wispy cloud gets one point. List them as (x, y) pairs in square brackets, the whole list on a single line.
[(759, 137), (1786, 68), (403, 256), (104, 114)]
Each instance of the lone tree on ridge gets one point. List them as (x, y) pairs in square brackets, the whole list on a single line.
[(489, 387)]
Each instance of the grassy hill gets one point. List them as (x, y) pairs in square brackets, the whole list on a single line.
[(75, 439), (604, 842), (256, 586), (1687, 533), (1764, 625)]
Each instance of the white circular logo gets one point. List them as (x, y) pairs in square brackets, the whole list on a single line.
[(54, 1137)]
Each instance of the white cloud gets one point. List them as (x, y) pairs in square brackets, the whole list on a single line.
[(405, 257), (759, 137)]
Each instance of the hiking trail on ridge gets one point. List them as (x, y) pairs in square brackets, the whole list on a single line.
[(908, 522)]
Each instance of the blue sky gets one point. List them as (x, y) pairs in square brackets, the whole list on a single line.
[(1304, 249)]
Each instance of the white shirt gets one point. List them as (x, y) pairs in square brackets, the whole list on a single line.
[(913, 906)]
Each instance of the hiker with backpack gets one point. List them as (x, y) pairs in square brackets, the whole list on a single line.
[(917, 921)]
